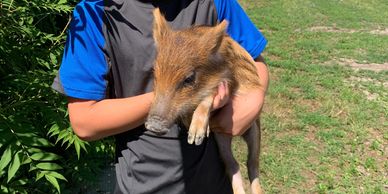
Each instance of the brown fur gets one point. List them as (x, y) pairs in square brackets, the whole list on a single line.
[(189, 66)]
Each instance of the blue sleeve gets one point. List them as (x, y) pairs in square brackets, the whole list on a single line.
[(240, 28), (84, 67)]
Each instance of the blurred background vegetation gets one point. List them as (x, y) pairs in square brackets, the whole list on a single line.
[(39, 151)]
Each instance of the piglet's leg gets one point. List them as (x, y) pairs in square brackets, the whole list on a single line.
[(199, 127), (232, 167), (252, 138)]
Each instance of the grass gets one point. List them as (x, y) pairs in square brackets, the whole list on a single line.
[(325, 125)]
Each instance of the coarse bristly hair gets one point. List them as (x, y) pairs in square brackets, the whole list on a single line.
[(189, 66)]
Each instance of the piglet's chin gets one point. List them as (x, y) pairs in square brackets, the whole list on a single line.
[(156, 125)]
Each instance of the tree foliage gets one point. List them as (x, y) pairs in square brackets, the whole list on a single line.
[(37, 144)]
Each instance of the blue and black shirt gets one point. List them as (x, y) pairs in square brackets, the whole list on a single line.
[(109, 53)]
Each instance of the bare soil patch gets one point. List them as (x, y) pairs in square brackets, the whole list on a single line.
[(381, 31), (367, 66), (353, 81), (331, 29), (356, 65)]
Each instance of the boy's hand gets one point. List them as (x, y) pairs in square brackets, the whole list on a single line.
[(222, 96), (238, 114), (239, 111)]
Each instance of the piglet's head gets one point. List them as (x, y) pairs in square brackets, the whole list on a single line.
[(188, 68)]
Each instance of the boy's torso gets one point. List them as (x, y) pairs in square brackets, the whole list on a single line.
[(147, 163)]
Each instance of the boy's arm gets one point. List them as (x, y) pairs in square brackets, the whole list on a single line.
[(237, 116), (92, 120)]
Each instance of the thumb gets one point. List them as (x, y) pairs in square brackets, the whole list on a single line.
[(222, 95)]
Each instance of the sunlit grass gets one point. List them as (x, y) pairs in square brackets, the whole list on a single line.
[(325, 124)]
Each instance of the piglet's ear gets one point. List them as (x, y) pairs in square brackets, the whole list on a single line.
[(221, 27), (161, 27), (214, 36)]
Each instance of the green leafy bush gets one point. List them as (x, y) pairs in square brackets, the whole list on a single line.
[(37, 145)]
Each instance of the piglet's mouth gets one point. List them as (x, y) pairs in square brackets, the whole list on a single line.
[(156, 125)]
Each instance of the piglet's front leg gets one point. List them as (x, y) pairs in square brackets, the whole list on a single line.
[(199, 127)]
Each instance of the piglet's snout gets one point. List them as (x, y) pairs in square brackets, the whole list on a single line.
[(157, 124)]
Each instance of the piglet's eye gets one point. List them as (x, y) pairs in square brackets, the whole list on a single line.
[(190, 79)]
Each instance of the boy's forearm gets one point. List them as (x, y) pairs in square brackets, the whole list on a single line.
[(92, 120), (237, 116), (252, 103)]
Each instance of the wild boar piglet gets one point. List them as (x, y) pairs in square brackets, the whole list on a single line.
[(189, 66)]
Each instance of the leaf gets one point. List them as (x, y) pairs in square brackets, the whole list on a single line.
[(19, 182), (70, 142), (6, 157), (30, 20), (45, 156), (14, 166), (4, 189), (43, 62), (83, 143), (39, 175), (49, 36), (53, 181), (77, 148), (61, 135), (32, 139), (66, 139), (33, 150), (48, 166), (40, 142), (32, 168), (53, 59), (26, 135), (26, 160), (53, 130), (56, 175), (62, 2)]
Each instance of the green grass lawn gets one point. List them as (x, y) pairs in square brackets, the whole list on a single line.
[(325, 124)]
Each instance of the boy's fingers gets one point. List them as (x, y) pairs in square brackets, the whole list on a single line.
[(222, 96), (225, 94)]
